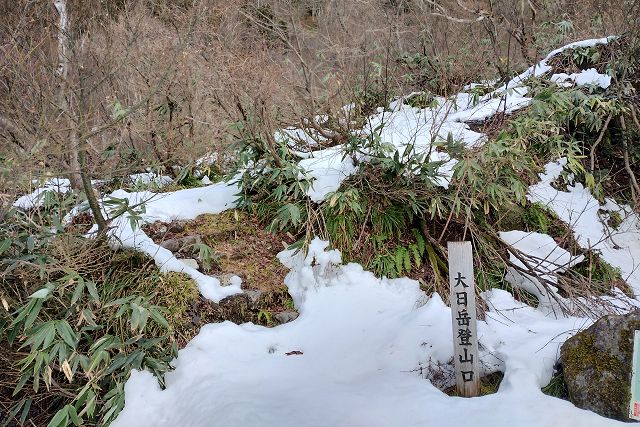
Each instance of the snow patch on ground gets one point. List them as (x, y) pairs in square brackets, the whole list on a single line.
[(176, 205), (359, 338), (585, 77), (147, 178), (582, 212), (542, 67), (546, 260), (328, 167), (402, 126), (35, 199), (540, 251)]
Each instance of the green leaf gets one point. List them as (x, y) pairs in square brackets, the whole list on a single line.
[(66, 333), (135, 318), (118, 362), (106, 342), (118, 111), (25, 411), (77, 293), (407, 260), (61, 418), (6, 243), (158, 317), (417, 258), (34, 311), (97, 359), (399, 260), (26, 376), (49, 335), (40, 294), (73, 415), (91, 287)]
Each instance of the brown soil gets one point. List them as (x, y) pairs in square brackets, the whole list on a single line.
[(241, 247)]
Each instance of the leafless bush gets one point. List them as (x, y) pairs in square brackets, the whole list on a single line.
[(267, 62)]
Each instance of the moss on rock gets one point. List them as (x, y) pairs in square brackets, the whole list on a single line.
[(596, 364)]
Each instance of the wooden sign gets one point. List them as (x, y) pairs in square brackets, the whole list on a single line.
[(634, 406), (462, 299)]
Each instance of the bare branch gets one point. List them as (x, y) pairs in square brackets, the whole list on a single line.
[(595, 144)]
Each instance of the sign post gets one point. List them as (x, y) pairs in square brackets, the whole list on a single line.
[(634, 406), (462, 299)]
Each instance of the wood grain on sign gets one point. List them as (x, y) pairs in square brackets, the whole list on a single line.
[(462, 299)]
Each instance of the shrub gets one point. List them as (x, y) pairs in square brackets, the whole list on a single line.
[(76, 318)]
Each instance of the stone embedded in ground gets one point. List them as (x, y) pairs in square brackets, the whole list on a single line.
[(596, 365), (185, 244), (171, 244), (177, 226), (190, 262), (286, 316)]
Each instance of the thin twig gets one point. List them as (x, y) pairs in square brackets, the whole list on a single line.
[(595, 144), (627, 166)]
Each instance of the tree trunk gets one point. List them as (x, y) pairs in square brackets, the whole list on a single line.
[(64, 102), (79, 174)]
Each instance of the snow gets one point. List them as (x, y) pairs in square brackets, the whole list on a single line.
[(402, 128), (36, 198), (541, 252), (356, 353), (176, 205), (546, 259), (582, 213), (542, 67), (303, 137), (146, 178), (585, 77), (400, 125), (362, 339), (150, 207), (329, 167)]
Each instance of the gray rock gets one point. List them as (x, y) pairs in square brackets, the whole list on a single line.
[(191, 239), (182, 244), (286, 316), (596, 365), (190, 262), (171, 244), (177, 226)]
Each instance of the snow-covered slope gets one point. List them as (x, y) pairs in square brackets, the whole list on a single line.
[(352, 359), (400, 125)]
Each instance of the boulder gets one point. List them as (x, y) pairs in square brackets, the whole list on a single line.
[(596, 364)]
